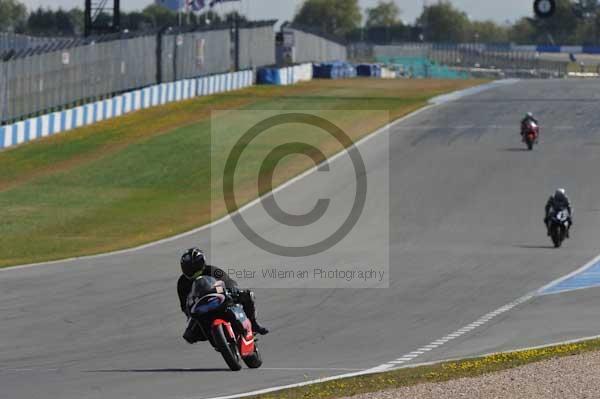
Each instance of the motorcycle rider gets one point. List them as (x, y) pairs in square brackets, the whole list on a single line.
[(528, 118), (193, 265), (555, 203)]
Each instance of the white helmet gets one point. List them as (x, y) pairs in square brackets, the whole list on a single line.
[(560, 193), (529, 115)]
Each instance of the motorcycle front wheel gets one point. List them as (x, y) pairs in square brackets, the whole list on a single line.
[(556, 236), (228, 349), (253, 361)]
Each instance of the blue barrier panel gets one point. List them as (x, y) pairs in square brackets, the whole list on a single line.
[(548, 48), (30, 129), (123, 104), (270, 76), (51, 124), (591, 49), (39, 127), (14, 135), (366, 70), (2, 140), (73, 118), (63, 121)]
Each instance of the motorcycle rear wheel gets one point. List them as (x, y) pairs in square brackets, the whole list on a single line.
[(228, 350)]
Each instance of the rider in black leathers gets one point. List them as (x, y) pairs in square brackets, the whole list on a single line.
[(193, 265), (528, 118), (555, 203)]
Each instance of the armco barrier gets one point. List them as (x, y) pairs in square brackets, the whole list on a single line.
[(62, 121)]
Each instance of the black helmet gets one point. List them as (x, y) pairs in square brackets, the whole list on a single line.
[(192, 262), (560, 194)]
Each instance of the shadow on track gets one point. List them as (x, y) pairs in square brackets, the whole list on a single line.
[(514, 149), (535, 246), (171, 370)]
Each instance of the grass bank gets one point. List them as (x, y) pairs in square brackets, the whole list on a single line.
[(146, 176), (440, 372)]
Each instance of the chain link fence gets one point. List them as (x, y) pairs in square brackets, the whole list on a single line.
[(300, 44), (17, 42), (56, 75), (478, 57)]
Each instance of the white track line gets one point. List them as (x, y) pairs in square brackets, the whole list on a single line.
[(460, 332), (434, 102), (379, 369)]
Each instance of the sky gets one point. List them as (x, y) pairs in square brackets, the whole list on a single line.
[(497, 10)]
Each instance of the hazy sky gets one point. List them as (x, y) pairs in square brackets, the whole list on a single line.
[(498, 10)]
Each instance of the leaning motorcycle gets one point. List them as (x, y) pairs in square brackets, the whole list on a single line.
[(531, 132), (559, 223), (223, 323)]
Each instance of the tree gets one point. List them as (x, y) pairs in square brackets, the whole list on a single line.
[(488, 32), (336, 17), (76, 16), (13, 15), (231, 16), (523, 32), (41, 22), (160, 16), (135, 20), (208, 18), (384, 14), (64, 24), (442, 22)]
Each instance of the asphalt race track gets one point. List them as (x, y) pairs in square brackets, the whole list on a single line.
[(466, 237)]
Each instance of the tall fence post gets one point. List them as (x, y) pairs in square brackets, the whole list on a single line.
[(159, 36), (236, 41)]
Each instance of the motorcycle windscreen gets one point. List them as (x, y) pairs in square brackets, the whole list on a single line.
[(207, 304), (202, 285)]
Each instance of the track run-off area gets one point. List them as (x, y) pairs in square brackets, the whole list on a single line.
[(468, 260)]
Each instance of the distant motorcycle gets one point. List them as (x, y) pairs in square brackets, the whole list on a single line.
[(559, 223), (530, 132), (223, 323)]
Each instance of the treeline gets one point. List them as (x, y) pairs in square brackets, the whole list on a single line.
[(14, 17), (575, 22)]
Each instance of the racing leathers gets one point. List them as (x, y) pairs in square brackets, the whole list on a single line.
[(555, 204), (524, 122)]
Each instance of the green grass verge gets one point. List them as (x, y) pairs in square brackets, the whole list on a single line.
[(439, 372), (146, 176)]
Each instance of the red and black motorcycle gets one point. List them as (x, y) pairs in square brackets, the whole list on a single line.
[(530, 132), (222, 322)]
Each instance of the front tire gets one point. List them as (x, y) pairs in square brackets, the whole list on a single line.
[(556, 235), (253, 361), (228, 349), (529, 145)]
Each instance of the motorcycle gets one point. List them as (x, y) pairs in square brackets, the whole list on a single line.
[(559, 223), (222, 322), (530, 132)]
